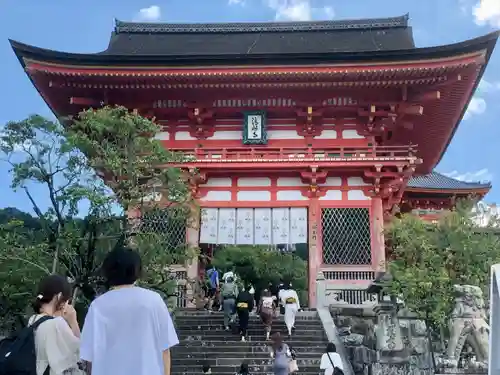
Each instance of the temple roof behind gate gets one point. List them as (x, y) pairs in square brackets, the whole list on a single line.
[(130, 38)]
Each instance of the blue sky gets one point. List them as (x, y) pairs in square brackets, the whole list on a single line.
[(86, 26)]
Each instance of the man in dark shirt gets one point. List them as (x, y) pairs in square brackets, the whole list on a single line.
[(244, 304)]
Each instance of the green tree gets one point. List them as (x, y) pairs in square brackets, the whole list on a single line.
[(260, 266), (121, 145), (85, 217), (425, 260)]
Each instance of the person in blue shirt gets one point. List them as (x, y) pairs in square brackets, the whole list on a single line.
[(213, 285)]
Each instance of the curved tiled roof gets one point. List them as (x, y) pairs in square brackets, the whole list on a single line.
[(438, 181), (258, 27)]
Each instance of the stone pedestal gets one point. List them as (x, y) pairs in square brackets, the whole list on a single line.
[(390, 347)]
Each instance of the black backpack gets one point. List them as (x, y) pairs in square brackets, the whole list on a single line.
[(17, 352)]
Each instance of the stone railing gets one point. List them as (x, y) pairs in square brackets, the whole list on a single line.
[(331, 293)]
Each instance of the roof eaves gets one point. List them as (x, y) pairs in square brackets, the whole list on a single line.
[(41, 54)]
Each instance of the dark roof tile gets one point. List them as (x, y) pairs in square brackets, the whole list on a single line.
[(228, 39), (435, 180)]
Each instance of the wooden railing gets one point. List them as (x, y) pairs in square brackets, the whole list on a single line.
[(297, 154)]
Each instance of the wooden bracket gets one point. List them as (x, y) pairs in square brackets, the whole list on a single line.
[(309, 122), (202, 124)]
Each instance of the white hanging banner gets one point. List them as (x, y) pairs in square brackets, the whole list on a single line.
[(281, 226), (262, 226), (298, 225), (244, 226), (208, 226), (227, 226)]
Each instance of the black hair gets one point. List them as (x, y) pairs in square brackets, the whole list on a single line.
[(244, 368), (331, 348), (230, 280), (206, 367), (122, 266), (49, 287)]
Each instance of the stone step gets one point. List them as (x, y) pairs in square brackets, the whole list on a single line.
[(219, 348), (219, 315), (235, 355), (197, 371), (189, 362), (194, 311), (207, 324), (318, 338), (233, 369)]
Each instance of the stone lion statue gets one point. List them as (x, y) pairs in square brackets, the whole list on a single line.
[(468, 325)]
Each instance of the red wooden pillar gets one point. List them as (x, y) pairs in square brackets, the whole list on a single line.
[(315, 248), (377, 234)]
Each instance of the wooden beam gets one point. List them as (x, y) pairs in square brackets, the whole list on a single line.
[(88, 102), (427, 96), (411, 109)]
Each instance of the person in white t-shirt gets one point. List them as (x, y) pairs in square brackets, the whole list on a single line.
[(128, 330), (331, 360)]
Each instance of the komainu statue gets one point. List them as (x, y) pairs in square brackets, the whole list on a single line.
[(468, 325)]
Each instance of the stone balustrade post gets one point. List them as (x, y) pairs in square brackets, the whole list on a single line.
[(321, 291), (390, 347)]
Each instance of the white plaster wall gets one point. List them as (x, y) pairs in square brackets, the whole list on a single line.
[(332, 181), (356, 181), (357, 195), (162, 136), (283, 134), (290, 181), (216, 181), (290, 195), (332, 195), (227, 135), (327, 134), (184, 136), (254, 181), (219, 196), (253, 196), (351, 134)]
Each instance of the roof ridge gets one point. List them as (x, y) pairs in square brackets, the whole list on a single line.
[(483, 182), (347, 24)]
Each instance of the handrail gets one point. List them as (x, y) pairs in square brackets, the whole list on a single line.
[(236, 153)]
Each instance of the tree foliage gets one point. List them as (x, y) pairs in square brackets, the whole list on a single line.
[(261, 266), (425, 260), (80, 218)]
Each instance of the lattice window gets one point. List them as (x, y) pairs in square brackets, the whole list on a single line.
[(346, 236), (171, 230)]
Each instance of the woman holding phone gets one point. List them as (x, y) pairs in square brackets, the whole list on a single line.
[(57, 339)]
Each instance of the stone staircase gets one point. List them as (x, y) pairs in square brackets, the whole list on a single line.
[(203, 339)]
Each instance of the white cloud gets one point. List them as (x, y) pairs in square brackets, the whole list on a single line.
[(482, 175), (487, 12), (299, 10), (151, 14), (236, 2), (487, 86), (477, 106)]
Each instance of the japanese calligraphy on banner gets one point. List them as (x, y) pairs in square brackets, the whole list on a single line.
[(298, 225), (254, 226), (244, 226), (209, 225), (227, 226), (254, 129)]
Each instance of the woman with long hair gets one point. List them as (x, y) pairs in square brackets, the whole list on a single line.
[(266, 311), (281, 354), (57, 338)]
